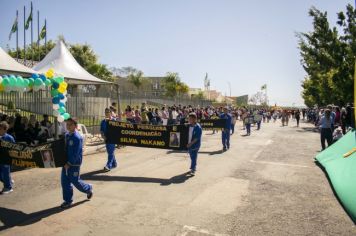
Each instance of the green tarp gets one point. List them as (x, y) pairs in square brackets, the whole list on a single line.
[(342, 171)]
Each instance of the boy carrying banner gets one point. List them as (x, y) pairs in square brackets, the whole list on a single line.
[(71, 170), (5, 176), (194, 141)]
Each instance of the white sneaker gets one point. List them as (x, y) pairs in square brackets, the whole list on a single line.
[(6, 190)]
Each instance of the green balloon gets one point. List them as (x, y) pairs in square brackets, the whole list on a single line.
[(13, 81), (6, 82), (20, 82), (48, 82), (59, 79), (62, 110), (26, 82), (32, 81), (38, 82), (66, 116), (54, 92)]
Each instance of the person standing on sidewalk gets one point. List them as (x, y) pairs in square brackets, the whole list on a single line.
[(71, 170), (5, 176), (194, 141), (326, 132), (110, 148)]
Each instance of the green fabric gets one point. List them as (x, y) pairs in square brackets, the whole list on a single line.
[(342, 171), (13, 28)]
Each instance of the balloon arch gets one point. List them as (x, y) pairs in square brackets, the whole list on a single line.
[(37, 82)]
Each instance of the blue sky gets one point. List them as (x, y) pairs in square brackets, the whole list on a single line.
[(247, 43)]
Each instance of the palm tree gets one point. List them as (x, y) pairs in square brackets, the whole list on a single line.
[(136, 79)]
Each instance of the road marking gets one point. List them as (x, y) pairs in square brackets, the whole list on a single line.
[(279, 164), (187, 229)]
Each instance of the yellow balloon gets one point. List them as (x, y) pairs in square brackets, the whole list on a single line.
[(51, 70), (2, 88), (64, 84), (61, 89), (49, 74)]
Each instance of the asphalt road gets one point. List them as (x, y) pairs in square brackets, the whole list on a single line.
[(266, 184)]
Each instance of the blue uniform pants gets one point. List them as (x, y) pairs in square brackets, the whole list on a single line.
[(258, 125), (110, 148), (71, 177), (5, 176), (232, 128), (225, 137), (193, 156), (248, 129)]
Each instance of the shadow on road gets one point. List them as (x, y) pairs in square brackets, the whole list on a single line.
[(200, 152), (11, 218), (94, 175), (308, 129)]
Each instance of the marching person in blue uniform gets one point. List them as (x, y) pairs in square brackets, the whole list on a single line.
[(194, 141), (110, 148), (5, 176), (225, 136), (71, 170)]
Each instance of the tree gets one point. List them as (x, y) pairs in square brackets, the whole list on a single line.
[(38, 53), (174, 86), (328, 57), (136, 78)]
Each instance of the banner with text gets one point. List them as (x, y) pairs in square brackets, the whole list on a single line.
[(47, 155), (211, 124), (151, 136)]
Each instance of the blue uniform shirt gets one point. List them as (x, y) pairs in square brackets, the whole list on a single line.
[(8, 138), (103, 126), (228, 120), (74, 148), (197, 133)]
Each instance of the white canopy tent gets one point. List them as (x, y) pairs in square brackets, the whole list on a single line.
[(63, 63), (9, 65)]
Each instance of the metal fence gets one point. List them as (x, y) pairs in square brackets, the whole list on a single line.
[(86, 107)]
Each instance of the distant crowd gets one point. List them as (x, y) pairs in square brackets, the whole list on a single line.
[(29, 130)]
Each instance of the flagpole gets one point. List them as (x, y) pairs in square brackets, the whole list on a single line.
[(24, 33), (17, 36), (38, 35), (32, 51), (46, 36)]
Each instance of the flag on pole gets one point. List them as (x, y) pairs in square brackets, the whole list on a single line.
[(264, 87), (43, 32), (29, 19), (14, 27)]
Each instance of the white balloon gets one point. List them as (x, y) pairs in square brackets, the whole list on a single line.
[(0, 79), (64, 100), (60, 119), (56, 113), (55, 106), (36, 88)]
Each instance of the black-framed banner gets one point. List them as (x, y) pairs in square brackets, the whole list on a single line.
[(47, 155), (150, 136), (212, 124)]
